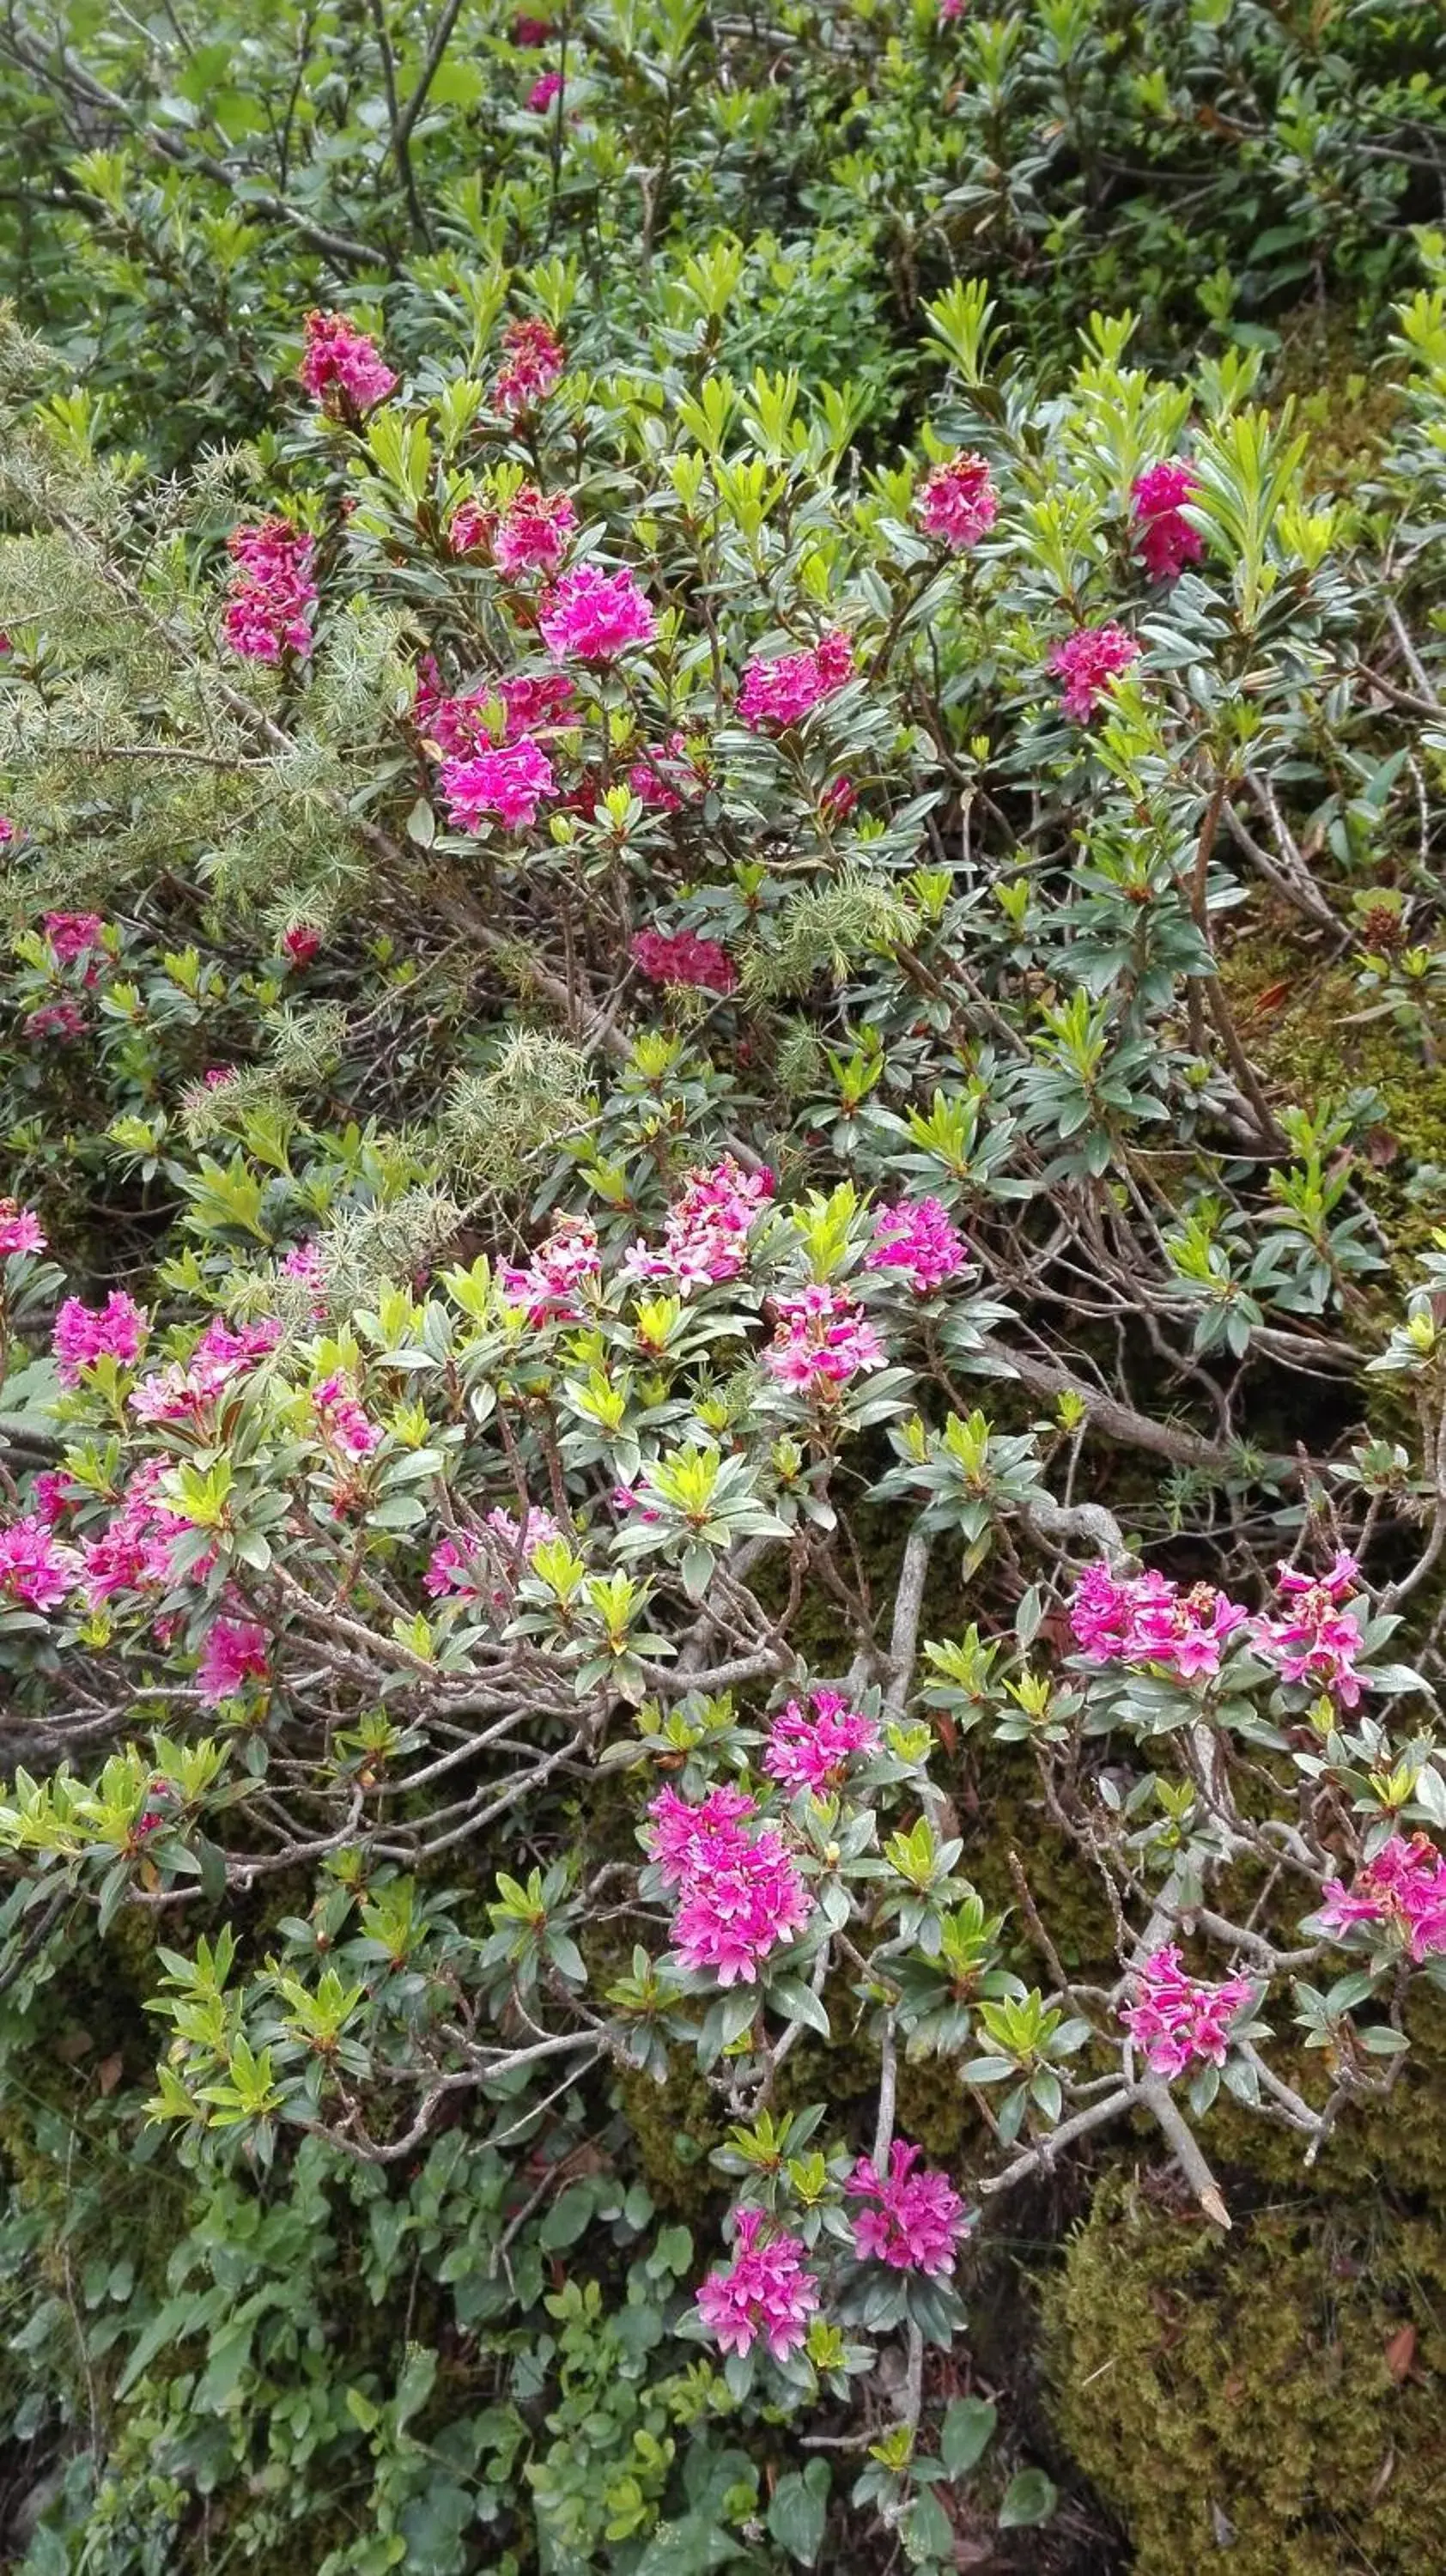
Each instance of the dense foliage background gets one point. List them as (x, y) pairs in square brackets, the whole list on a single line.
[(722, 1089)]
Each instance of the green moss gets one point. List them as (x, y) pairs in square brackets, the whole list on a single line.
[(675, 2127), (1277, 2394)]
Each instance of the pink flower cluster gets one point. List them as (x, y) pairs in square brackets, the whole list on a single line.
[(739, 1893), (705, 1233), (551, 1284), (84, 1334), (766, 2290), (341, 1420), (821, 1340), (64, 1019), (783, 691), (1176, 2019), (340, 367), (543, 91), (1313, 1644), (1146, 1619), (508, 783), (532, 533), (300, 943), (917, 2220), (681, 957), (958, 502), (810, 1748), (20, 1229), (457, 725), (1401, 1889), (73, 934), (271, 592), (594, 616), (234, 1653), (458, 1566), (1163, 535), (918, 1238), (1087, 662), (532, 365), (667, 776), (184, 1390), (134, 1552), (36, 1570)]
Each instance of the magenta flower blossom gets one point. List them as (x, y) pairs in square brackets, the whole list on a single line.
[(84, 1334), (63, 1019), (470, 529), (73, 934), (300, 943), (1087, 662), (738, 1901), (532, 366), (1163, 536), (958, 502), (918, 2220), (681, 957), (20, 1229), (532, 31), (766, 2290), (822, 1340), (781, 692), (7, 831), (1145, 1619), (36, 1571), (53, 1493), (508, 783), (552, 1284), (134, 1552), (595, 616), (1314, 1644), (184, 1391), (1175, 2019), (234, 1653), (705, 1235), (341, 1420), (470, 1567), (680, 1831), (667, 777), (1400, 1891), (271, 592), (543, 92), (341, 368), (810, 1748), (532, 533), (917, 1237)]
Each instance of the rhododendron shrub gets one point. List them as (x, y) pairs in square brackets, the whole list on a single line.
[(693, 1249)]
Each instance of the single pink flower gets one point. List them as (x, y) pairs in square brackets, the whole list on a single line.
[(811, 1748), (917, 1237), (766, 2290), (821, 1340), (73, 934), (1163, 535), (532, 366), (543, 92), (552, 1286), (300, 943), (781, 692), (739, 1899), (1176, 2019), (915, 2220), (533, 531), (271, 592), (705, 1235), (36, 1571), (958, 502), (1401, 1891), (680, 957), (595, 616), (532, 31), (508, 783), (341, 1420), (84, 1334), (20, 1229), (1087, 662), (234, 1653), (341, 368)]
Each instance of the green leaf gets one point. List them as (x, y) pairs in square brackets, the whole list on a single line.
[(967, 2432), (1029, 2497), (799, 2510), (569, 2215), (798, 2002)]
